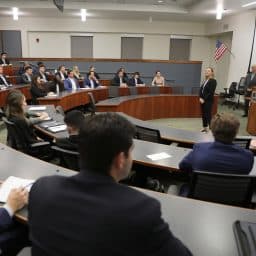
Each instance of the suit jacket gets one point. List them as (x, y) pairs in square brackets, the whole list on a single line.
[(70, 143), (87, 83), (249, 82), (68, 84), (132, 81), (24, 78), (218, 157), (116, 81), (37, 92), (6, 60), (5, 220), (207, 92), (59, 81), (2, 81), (95, 74), (96, 216), (41, 76)]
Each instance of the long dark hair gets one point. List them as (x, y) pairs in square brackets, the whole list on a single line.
[(14, 103), (35, 83)]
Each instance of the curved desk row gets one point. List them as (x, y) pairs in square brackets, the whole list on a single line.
[(146, 107), (214, 237)]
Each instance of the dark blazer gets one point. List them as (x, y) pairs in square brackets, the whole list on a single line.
[(24, 79), (2, 81), (131, 81), (70, 143), (249, 82), (41, 76), (6, 60), (87, 83), (207, 92), (96, 216), (68, 84), (218, 157), (116, 81), (95, 74), (59, 81), (37, 92), (5, 220)]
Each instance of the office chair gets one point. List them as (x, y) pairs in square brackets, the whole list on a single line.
[(68, 158), (59, 109), (243, 142), (221, 188), (229, 94), (148, 134), (240, 90), (92, 106), (16, 140)]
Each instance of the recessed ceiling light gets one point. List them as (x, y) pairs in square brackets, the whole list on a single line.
[(160, 1), (83, 15), (15, 13), (249, 4)]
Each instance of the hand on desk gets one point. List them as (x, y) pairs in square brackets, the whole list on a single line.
[(43, 115), (17, 199), (201, 100)]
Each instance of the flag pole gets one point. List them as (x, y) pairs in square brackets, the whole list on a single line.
[(249, 66)]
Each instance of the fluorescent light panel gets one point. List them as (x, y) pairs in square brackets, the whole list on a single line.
[(83, 15), (219, 12), (15, 13), (249, 4)]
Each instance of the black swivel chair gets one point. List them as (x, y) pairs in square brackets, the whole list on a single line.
[(240, 90), (221, 188), (16, 140), (243, 142), (230, 94), (68, 158), (148, 134), (2, 114)]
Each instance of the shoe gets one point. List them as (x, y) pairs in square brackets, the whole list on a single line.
[(205, 130), (244, 115)]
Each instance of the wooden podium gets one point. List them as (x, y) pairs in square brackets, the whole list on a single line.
[(251, 123)]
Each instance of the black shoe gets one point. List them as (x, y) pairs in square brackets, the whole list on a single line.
[(244, 115)]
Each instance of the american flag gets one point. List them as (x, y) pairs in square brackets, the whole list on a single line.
[(220, 50)]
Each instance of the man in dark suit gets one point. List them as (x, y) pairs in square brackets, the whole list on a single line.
[(119, 79), (250, 81), (74, 120), (26, 77), (91, 211), (60, 76), (135, 80), (3, 80), (70, 83), (4, 60), (13, 235), (91, 81), (221, 155)]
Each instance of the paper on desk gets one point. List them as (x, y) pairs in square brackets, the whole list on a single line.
[(58, 128), (13, 182), (37, 108), (158, 156)]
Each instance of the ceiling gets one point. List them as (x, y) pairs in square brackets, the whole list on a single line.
[(148, 10)]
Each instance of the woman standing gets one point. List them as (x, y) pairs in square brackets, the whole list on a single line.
[(206, 97), (158, 79)]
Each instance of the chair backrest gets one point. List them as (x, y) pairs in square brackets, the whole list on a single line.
[(232, 89), (15, 138), (92, 106), (222, 188), (68, 158), (59, 109), (241, 86), (243, 142), (147, 134)]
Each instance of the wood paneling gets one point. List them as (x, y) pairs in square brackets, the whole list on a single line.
[(251, 123)]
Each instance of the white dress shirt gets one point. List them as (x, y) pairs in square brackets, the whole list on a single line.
[(92, 83), (3, 78), (73, 82)]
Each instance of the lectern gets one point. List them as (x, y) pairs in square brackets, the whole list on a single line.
[(251, 124)]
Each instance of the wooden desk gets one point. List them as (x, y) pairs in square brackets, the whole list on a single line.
[(69, 100), (25, 89), (206, 228), (146, 107), (251, 123)]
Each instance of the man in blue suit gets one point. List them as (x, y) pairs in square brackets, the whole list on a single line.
[(70, 83), (222, 155), (135, 80), (13, 235), (91, 81)]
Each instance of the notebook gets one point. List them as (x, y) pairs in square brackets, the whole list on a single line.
[(37, 108), (13, 182), (58, 128)]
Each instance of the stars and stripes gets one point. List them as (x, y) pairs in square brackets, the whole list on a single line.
[(220, 50)]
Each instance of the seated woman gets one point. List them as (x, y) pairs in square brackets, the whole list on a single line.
[(38, 89), (15, 112), (76, 72), (92, 68), (158, 79)]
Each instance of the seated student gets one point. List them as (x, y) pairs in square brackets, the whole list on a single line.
[(76, 72), (3, 80), (104, 217), (91, 81), (70, 83), (221, 155), (15, 112), (26, 77), (4, 60), (124, 73), (135, 80), (158, 79), (74, 120), (13, 235), (119, 79), (45, 79), (92, 68), (60, 76), (38, 89)]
